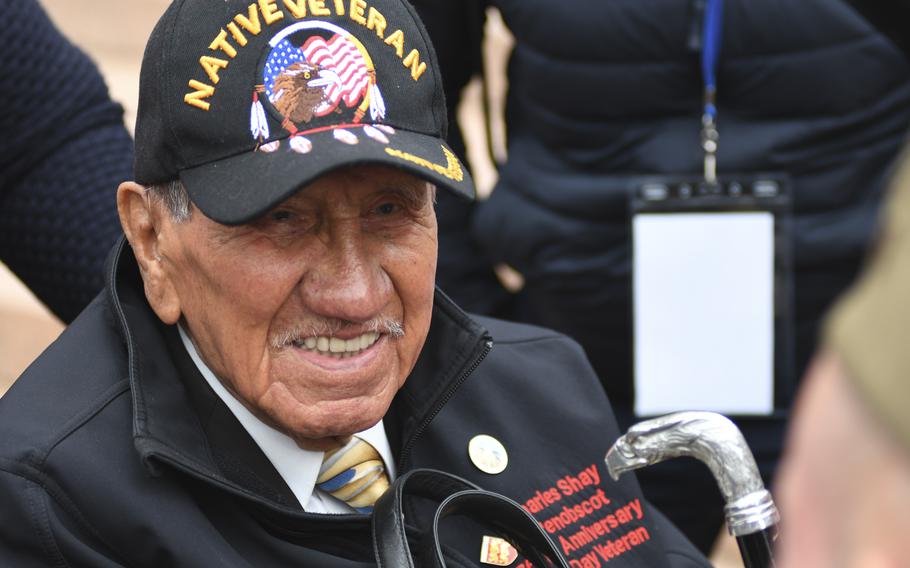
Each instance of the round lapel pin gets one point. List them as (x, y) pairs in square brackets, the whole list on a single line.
[(488, 454)]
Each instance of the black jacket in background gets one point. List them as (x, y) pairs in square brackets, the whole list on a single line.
[(890, 16), (603, 91), (115, 452)]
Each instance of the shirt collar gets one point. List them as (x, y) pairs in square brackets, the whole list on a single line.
[(298, 467)]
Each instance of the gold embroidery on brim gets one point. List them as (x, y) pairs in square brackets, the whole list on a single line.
[(451, 170)]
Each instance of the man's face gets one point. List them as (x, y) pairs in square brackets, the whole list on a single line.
[(301, 312)]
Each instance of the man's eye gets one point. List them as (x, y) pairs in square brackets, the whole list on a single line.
[(387, 209), (280, 215)]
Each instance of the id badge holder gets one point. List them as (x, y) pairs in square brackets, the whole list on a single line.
[(712, 294)]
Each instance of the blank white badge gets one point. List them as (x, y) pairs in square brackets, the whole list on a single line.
[(704, 312)]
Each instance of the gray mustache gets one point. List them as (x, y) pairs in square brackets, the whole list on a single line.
[(330, 328)]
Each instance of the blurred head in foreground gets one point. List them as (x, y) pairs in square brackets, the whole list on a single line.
[(845, 483)]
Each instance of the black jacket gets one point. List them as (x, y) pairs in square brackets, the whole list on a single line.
[(115, 452), (601, 92)]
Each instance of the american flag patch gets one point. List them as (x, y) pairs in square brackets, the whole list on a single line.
[(341, 56)]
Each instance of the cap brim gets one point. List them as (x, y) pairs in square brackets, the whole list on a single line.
[(240, 188)]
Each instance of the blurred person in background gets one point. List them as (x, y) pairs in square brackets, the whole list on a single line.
[(63, 151), (602, 93)]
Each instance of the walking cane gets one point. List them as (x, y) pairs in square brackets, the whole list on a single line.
[(713, 439)]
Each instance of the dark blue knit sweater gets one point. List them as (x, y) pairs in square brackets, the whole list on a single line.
[(63, 152)]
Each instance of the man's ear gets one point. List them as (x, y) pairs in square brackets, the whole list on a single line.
[(143, 222)]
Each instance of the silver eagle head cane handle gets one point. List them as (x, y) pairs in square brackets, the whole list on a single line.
[(714, 440)]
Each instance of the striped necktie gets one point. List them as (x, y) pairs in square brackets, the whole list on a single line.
[(355, 474)]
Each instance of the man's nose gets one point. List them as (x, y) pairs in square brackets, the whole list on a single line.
[(347, 280)]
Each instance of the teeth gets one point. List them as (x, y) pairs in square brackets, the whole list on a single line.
[(337, 347)]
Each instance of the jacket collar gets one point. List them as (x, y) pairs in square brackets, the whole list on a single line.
[(168, 430)]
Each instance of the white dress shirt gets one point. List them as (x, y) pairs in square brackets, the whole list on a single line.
[(298, 467)]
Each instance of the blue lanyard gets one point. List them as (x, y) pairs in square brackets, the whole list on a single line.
[(710, 52), (711, 42)]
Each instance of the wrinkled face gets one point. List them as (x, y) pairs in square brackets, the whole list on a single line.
[(313, 315)]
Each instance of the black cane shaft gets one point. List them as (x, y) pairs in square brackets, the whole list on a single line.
[(757, 548)]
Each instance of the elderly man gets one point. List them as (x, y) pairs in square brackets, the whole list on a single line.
[(271, 351)]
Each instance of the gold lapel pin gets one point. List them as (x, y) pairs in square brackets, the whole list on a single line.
[(488, 454)]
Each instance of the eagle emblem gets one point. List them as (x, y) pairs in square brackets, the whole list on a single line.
[(299, 92)]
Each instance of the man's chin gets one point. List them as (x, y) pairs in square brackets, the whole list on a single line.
[(322, 444), (329, 429), (327, 440)]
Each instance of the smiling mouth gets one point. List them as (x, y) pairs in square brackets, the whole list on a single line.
[(337, 347)]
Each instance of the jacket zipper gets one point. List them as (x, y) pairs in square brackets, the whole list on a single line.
[(443, 400)]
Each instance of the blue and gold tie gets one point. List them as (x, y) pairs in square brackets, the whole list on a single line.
[(355, 474)]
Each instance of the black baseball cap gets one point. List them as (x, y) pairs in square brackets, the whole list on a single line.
[(247, 101)]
